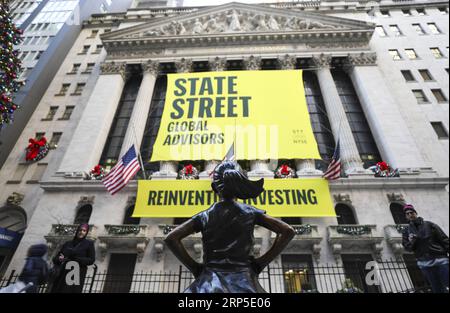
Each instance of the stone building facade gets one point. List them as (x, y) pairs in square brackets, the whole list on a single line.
[(370, 76)]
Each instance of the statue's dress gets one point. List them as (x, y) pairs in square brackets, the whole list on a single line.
[(227, 230)]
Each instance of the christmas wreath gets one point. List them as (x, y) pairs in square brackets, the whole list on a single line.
[(284, 171), (188, 172), (97, 173), (36, 150)]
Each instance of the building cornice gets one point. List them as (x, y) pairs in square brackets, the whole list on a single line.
[(149, 47), (70, 185)]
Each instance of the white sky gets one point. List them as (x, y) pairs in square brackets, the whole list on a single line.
[(219, 2)]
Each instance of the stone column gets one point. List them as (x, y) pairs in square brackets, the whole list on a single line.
[(304, 167), (168, 170), (394, 140), (216, 65), (141, 109), (86, 147), (258, 168), (350, 158)]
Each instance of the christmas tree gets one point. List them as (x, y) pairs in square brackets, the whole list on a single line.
[(10, 65)]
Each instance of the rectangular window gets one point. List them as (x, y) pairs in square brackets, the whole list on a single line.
[(419, 30), (38, 55), (67, 113), (24, 55), (385, 13), (51, 114), (421, 12), (54, 141), (298, 272), (437, 53), (406, 12), (79, 89), (98, 49), (420, 96), (39, 136), (93, 33), (75, 68), (395, 30), (439, 95), (27, 40), (18, 174), (37, 174), (64, 89), (35, 40), (89, 68), (433, 28), (440, 130), (411, 54), (380, 30), (443, 10), (46, 26), (85, 49), (108, 30), (426, 76), (408, 76), (395, 54)]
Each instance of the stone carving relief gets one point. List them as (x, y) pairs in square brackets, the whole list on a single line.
[(287, 62), (252, 63), (233, 21), (218, 64)]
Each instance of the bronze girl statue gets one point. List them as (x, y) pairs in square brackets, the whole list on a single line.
[(227, 234)]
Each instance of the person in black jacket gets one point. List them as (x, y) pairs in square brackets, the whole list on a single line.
[(430, 246), (36, 269), (80, 250)]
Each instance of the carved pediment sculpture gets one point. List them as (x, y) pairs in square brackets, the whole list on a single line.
[(234, 21)]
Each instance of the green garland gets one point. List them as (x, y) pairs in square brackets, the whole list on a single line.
[(401, 228), (168, 228), (65, 230), (302, 229), (353, 230), (124, 230)]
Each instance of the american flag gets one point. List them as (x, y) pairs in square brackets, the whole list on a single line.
[(122, 172), (333, 171)]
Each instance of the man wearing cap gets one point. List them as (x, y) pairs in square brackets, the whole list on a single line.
[(430, 246)]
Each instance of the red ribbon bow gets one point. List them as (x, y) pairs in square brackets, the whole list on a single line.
[(188, 169)]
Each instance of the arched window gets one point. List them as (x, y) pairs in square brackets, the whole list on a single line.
[(83, 214), (13, 217), (128, 219), (345, 215), (397, 213)]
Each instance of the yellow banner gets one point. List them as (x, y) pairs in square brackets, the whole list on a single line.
[(263, 112), (281, 198)]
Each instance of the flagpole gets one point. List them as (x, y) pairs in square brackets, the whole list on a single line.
[(138, 152)]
